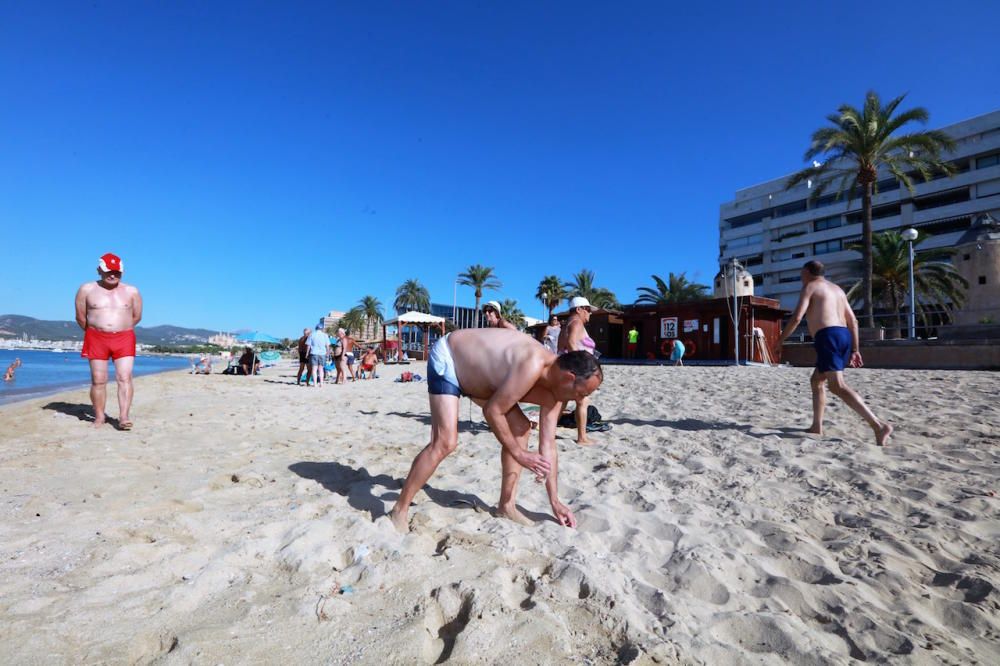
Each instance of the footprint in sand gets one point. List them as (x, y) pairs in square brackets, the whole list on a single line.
[(448, 614)]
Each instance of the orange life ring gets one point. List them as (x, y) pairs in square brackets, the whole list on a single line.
[(666, 347), (689, 348)]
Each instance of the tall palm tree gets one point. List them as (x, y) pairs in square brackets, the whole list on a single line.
[(937, 284), (855, 146), (480, 277), (512, 313), (353, 321), (582, 284), (675, 290), (371, 311), (551, 291), (411, 295)]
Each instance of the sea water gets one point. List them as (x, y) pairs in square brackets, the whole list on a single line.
[(45, 372)]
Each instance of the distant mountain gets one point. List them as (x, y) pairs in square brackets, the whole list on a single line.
[(16, 326)]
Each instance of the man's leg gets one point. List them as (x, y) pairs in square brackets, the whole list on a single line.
[(581, 422), (840, 389), (520, 427), (816, 384), (98, 389), (444, 439), (298, 375), (123, 378)]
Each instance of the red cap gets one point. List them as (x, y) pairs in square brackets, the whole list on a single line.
[(110, 262)]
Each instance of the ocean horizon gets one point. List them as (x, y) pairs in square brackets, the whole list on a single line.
[(44, 372)]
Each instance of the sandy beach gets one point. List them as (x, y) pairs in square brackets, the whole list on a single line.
[(241, 522)]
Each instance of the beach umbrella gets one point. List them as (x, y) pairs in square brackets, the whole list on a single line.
[(255, 337)]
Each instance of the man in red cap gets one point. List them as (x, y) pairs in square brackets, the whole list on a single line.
[(108, 310)]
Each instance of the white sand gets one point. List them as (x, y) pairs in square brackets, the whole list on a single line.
[(223, 529)]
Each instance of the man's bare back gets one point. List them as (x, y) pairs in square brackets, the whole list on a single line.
[(826, 305), (484, 361)]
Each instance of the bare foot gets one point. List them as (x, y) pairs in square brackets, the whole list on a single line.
[(584, 441), (815, 430), (400, 521), (882, 434), (511, 512), (98, 422)]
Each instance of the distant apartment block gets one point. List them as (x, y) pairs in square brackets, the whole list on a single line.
[(773, 231), (331, 319), (222, 340)]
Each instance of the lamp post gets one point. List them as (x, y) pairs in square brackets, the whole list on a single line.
[(545, 305), (910, 235)]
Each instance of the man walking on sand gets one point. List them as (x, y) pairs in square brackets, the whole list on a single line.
[(497, 368), (834, 329), (108, 310), (305, 365)]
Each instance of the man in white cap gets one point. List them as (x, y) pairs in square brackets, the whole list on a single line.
[(491, 311), (108, 310)]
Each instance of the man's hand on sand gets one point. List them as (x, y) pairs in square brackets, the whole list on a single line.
[(535, 464), (856, 360), (563, 515)]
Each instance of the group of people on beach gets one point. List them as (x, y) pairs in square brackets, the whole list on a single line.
[(497, 368), (316, 352)]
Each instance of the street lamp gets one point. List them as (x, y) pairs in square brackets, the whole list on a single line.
[(545, 304), (910, 235)]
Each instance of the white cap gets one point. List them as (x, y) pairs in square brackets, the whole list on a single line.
[(580, 302), (493, 304)]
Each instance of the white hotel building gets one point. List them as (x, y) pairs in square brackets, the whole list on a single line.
[(773, 231)]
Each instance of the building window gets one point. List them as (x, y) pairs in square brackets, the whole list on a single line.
[(988, 161), (827, 200), (878, 213), (826, 247), (942, 199), (827, 223), (966, 257), (758, 280), (982, 279), (887, 185), (798, 255), (746, 220), (790, 209)]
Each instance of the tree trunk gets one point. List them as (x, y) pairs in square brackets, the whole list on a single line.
[(479, 321), (866, 255)]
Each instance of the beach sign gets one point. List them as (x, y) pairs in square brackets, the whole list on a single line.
[(668, 327)]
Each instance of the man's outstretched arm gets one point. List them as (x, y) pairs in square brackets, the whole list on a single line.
[(547, 422), (518, 382), (797, 314)]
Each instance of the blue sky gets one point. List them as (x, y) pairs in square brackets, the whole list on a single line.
[(258, 164)]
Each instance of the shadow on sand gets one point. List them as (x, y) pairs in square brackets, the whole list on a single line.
[(84, 412), (358, 486), (692, 425)]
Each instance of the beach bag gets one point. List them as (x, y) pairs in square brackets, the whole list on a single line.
[(568, 420)]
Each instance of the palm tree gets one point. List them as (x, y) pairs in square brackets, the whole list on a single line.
[(551, 291), (411, 295), (371, 311), (353, 321), (512, 313), (856, 146), (582, 284), (480, 277), (936, 283), (676, 290)]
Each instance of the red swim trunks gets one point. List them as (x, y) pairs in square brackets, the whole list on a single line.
[(100, 346)]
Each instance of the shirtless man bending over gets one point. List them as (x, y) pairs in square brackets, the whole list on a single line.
[(108, 310), (834, 329), (497, 368)]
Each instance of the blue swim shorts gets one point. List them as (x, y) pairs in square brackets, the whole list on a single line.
[(441, 377), (317, 359), (833, 348)]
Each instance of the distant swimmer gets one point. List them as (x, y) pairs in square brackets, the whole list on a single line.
[(834, 329), (497, 369), (108, 310), (11, 369)]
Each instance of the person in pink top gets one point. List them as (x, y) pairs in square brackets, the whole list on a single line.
[(574, 337)]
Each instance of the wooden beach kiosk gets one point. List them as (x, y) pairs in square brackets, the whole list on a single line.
[(420, 319)]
